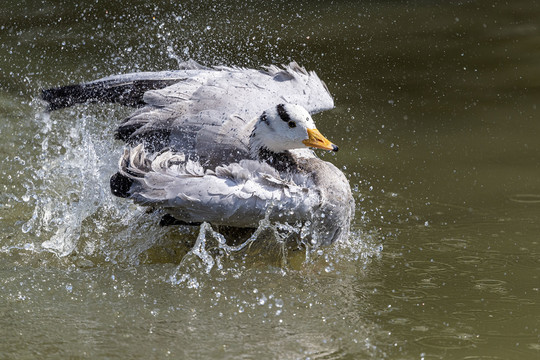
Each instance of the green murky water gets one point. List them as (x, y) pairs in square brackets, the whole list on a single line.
[(438, 124)]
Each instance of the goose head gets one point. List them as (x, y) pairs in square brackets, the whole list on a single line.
[(286, 127)]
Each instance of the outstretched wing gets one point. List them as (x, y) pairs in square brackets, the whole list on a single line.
[(236, 195), (127, 89), (195, 108)]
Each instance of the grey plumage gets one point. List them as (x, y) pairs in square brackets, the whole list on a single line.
[(209, 112), (190, 148)]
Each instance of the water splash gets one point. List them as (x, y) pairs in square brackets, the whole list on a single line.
[(66, 185), (205, 251), (211, 249), (74, 213)]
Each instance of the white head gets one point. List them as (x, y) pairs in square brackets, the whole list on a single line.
[(287, 127)]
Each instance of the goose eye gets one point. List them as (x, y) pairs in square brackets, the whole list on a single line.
[(292, 124)]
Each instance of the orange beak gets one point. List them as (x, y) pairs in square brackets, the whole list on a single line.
[(317, 140)]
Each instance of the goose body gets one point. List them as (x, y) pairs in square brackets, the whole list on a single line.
[(228, 146)]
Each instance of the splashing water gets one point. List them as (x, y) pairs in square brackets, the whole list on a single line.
[(211, 247), (202, 247), (73, 166), (74, 213)]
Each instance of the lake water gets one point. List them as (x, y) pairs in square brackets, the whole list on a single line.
[(437, 119)]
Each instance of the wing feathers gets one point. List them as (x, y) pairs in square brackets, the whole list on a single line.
[(236, 195), (188, 104)]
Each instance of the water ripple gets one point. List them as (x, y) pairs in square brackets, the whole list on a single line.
[(482, 315), (491, 285), (447, 342), (490, 263), (526, 198), (410, 294), (447, 244), (429, 266)]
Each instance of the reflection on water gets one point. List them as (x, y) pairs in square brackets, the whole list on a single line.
[(436, 111)]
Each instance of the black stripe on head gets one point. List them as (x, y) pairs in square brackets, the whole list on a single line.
[(283, 114)]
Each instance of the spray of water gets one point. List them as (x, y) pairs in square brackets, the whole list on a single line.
[(74, 213)]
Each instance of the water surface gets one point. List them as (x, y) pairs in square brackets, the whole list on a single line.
[(437, 122)]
